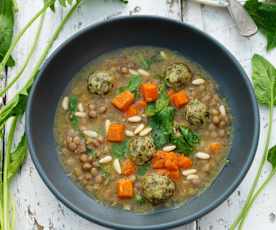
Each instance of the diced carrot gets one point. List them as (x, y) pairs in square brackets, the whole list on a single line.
[(158, 163), (128, 168), (174, 174), (125, 188), (180, 99), (116, 133), (184, 162), (136, 108), (171, 92), (162, 172), (149, 91), (123, 100), (215, 147), (171, 164)]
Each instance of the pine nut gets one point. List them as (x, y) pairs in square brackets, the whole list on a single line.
[(198, 81), (135, 119), (143, 72), (222, 110), (193, 177), (139, 128), (117, 166), (80, 107), (105, 160), (129, 133), (169, 148), (90, 133), (163, 55), (145, 131), (133, 72), (107, 125), (80, 114), (202, 155), (65, 103), (188, 172)]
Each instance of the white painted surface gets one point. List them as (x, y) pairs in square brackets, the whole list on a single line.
[(38, 209)]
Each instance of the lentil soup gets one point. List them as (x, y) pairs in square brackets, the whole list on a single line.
[(143, 128)]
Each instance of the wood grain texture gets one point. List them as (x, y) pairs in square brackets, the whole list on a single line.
[(38, 209)]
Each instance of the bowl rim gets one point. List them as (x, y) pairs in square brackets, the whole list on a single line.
[(215, 203)]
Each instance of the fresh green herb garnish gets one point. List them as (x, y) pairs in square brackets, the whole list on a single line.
[(264, 81), (73, 107), (162, 126), (146, 63), (104, 172), (139, 199), (119, 150), (91, 152), (133, 85), (186, 142), (264, 15), (142, 170), (161, 103)]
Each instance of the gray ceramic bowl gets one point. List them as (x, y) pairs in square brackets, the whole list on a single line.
[(98, 39)]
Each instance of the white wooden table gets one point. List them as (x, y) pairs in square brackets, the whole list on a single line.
[(38, 209)]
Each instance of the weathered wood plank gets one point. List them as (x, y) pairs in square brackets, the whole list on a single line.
[(37, 208), (218, 23)]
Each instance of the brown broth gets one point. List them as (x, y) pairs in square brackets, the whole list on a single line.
[(98, 180)]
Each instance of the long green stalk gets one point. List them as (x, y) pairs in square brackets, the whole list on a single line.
[(260, 169), (27, 60), (6, 206), (21, 33), (257, 193)]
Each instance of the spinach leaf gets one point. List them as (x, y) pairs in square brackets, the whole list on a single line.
[(142, 170), (264, 80), (73, 107), (264, 15), (6, 28), (271, 157), (119, 150)]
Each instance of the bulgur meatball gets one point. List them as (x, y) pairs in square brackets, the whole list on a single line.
[(196, 113), (156, 188), (177, 75), (100, 82), (141, 149)]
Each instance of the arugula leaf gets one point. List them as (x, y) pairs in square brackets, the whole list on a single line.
[(73, 107), (264, 80), (142, 170), (264, 15), (17, 157), (271, 157), (119, 150), (6, 28)]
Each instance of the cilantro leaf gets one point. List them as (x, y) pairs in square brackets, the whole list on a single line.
[(119, 150)]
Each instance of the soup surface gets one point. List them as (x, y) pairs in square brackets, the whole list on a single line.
[(143, 128)]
